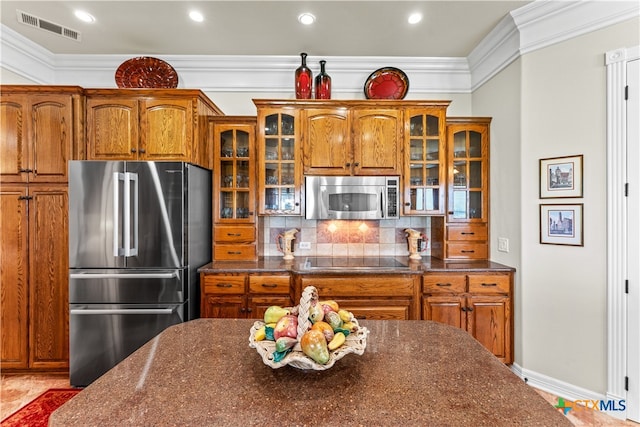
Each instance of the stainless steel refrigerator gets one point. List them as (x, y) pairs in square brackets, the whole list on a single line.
[(138, 232)]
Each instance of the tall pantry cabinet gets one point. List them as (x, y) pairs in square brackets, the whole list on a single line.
[(41, 131)]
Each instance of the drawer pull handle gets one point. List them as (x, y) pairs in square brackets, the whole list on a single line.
[(443, 284), (234, 252), (467, 252), (269, 285), (489, 284), (233, 234), (470, 233), (224, 285), (361, 317)]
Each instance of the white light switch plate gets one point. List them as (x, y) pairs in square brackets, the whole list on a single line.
[(503, 244)]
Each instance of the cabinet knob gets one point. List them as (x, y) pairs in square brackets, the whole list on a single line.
[(469, 308), (407, 203), (297, 203), (142, 150), (348, 165), (242, 310), (463, 308), (450, 212), (133, 150), (249, 310), (356, 164)]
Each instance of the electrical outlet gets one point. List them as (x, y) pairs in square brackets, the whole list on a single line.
[(304, 245), (503, 244)]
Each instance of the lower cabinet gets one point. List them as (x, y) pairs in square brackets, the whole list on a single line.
[(243, 295), (387, 297), (480, 303)]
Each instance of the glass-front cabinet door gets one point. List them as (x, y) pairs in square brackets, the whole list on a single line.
[(425, 158), (280, 162), (468, 172), (234, 169)]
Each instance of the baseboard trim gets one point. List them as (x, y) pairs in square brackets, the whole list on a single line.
[(563, 389)]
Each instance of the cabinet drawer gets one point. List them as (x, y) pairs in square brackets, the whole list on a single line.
[(489, 283), (223, 284), (467, 250), (235, 233), (269, 284), (467, 232), (443, 283), (365, 285), (234, 252)]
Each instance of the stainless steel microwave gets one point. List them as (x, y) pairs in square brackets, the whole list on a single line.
[(352, 197)]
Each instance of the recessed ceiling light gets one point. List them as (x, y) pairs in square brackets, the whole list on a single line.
[(414, 18), (84, 16), (196, 16), (306, 18)]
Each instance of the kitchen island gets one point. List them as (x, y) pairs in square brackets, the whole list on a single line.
[(412, 373)]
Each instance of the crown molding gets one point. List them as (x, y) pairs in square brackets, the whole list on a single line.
[(541, 24), (535, 26)]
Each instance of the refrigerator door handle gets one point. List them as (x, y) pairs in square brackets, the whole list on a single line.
[(122, 311), (124, 275), (129, 199), (116, 213)]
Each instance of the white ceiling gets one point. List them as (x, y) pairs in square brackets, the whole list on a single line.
[(343, 28)]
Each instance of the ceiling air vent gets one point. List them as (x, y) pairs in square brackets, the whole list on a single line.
[(34, 21)]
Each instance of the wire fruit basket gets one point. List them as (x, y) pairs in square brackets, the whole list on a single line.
[(355, 342)]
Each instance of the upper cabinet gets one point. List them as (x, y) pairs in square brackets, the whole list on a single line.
[(425, 161), (41, 131), (279, 160), (149, 124), (352, 141)]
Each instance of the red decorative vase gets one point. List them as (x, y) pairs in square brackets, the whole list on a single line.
[(323, 83), (304, 79)]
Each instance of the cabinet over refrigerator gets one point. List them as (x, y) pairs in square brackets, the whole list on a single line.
[(138, 232)]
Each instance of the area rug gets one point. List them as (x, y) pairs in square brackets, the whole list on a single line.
[(36, 413)]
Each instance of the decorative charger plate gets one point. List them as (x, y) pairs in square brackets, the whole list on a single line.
[(146, 72), (386, 83)]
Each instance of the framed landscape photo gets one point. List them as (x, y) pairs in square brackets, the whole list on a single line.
[(561, 177), (561, 224)]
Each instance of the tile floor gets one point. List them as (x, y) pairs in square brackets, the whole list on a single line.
[(18, 390)]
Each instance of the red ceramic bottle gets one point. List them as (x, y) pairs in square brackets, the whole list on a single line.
[(304, 79), (323, 83)]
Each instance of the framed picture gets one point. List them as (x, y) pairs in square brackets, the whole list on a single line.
[(561, 177), (561, 224)]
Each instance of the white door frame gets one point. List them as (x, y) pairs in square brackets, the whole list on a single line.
[(618, 324)]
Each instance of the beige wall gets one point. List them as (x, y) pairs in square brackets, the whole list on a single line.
[(561, 295), (500, 99)]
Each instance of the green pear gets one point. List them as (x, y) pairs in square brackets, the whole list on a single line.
[(274, 313)]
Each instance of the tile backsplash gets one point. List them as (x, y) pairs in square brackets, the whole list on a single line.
[(342, 237)]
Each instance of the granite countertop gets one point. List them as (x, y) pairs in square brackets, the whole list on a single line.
[(412, 373), (276, 264)]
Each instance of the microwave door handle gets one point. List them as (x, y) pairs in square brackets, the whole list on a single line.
[(383, 204)]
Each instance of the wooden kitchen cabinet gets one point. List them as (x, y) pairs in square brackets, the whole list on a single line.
[(34, 277), (243, 295), (234, 188), (425, 161), (41, 131), (466, 232), (480, 303), (280, 189), (149, 124), (352, 141), (381, 297)]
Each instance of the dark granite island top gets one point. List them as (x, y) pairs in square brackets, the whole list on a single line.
[(413, 373)]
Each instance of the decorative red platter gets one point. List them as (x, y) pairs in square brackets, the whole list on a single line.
[(146, 72), (386, 83)]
